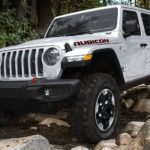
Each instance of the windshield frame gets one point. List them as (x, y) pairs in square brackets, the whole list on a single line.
[(83, 12)]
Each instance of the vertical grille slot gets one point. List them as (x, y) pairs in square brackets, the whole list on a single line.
[(26, 69), (19, 63), (40, 64), (2, 65), (33, 69), (7, 64), (13, 64)]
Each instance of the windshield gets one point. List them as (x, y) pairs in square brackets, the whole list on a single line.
[(89, 22)]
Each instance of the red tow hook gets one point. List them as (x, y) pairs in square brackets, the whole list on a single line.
[(34, 80)]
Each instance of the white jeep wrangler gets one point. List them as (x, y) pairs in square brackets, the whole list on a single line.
[(87, 58)]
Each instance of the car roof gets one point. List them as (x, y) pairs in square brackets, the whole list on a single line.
[(106, 7)]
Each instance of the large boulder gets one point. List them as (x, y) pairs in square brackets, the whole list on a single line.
[(143, 105), (124, 139), (35, 142), (134, 127), (137, 93), (111, 144), (143, 137)]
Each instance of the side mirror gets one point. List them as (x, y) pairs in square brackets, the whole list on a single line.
[(130, 27)]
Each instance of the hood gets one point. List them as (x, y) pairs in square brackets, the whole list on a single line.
[(60, 41)]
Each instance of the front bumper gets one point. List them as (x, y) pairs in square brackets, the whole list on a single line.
[(41, 91)]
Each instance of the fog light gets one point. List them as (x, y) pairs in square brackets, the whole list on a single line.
[(47, 92)]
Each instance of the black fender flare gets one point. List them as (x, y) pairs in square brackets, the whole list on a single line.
[(116, 63)]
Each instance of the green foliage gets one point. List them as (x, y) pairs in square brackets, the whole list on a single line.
[(77, 5), (11, 30)]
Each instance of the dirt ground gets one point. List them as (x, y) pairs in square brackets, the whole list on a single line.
[(11, 127)]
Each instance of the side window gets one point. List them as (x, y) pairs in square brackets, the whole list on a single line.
[(131, 16), (146, 22)]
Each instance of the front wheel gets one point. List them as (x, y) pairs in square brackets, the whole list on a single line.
[(95, 112)]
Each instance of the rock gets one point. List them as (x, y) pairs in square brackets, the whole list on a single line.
[(33, 128), (148, 117), (79, 148), (134, 134), (141, 142), (144, 136), (146, 144), (142, 105), (106, 143), (49, 121), (40, 117), (74, 140), (137, 93), (56, 147), (134, 127), (124, 139), (35, 142), (125, 147), (129, 103), (107, 148)]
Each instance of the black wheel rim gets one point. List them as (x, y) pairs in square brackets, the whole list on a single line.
[(105, 109)]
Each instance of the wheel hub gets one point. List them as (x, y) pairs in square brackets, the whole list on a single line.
[(105, 109)]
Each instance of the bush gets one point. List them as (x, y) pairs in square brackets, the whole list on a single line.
[(12, 31)]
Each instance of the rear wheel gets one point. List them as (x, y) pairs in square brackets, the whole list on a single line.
[(95, 112)]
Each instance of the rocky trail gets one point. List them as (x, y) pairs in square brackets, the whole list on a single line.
[(135, 112)]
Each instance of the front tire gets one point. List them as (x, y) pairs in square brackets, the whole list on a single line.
[(95, 112)]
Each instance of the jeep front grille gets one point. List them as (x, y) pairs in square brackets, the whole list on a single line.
[(22, 63)]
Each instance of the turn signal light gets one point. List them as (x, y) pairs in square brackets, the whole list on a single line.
[(88, 57)]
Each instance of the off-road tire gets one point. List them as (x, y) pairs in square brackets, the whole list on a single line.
[(82, 117)]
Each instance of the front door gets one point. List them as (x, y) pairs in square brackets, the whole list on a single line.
[(136, 55)]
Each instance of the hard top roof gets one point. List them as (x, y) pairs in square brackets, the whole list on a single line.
[(106, 7)]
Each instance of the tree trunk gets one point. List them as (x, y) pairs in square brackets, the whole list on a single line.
[(1, 6), (58, 10), (33, 9), (104, 3), (45, 14), (20, 6)]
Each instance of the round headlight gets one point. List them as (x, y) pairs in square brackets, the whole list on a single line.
[(51, 56)]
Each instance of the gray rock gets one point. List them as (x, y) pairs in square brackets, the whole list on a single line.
[(49, 121), (35, 142), (143, 105), (56, 147), (137, 93), (144, 136), (125, 147), (107, 148), (33, 128), (124, 139), (40, 117), (134, 127), (128, 103), (106, 143), (147, 117), (79, 148)]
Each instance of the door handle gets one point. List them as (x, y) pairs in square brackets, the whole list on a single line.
[(143, 45)]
